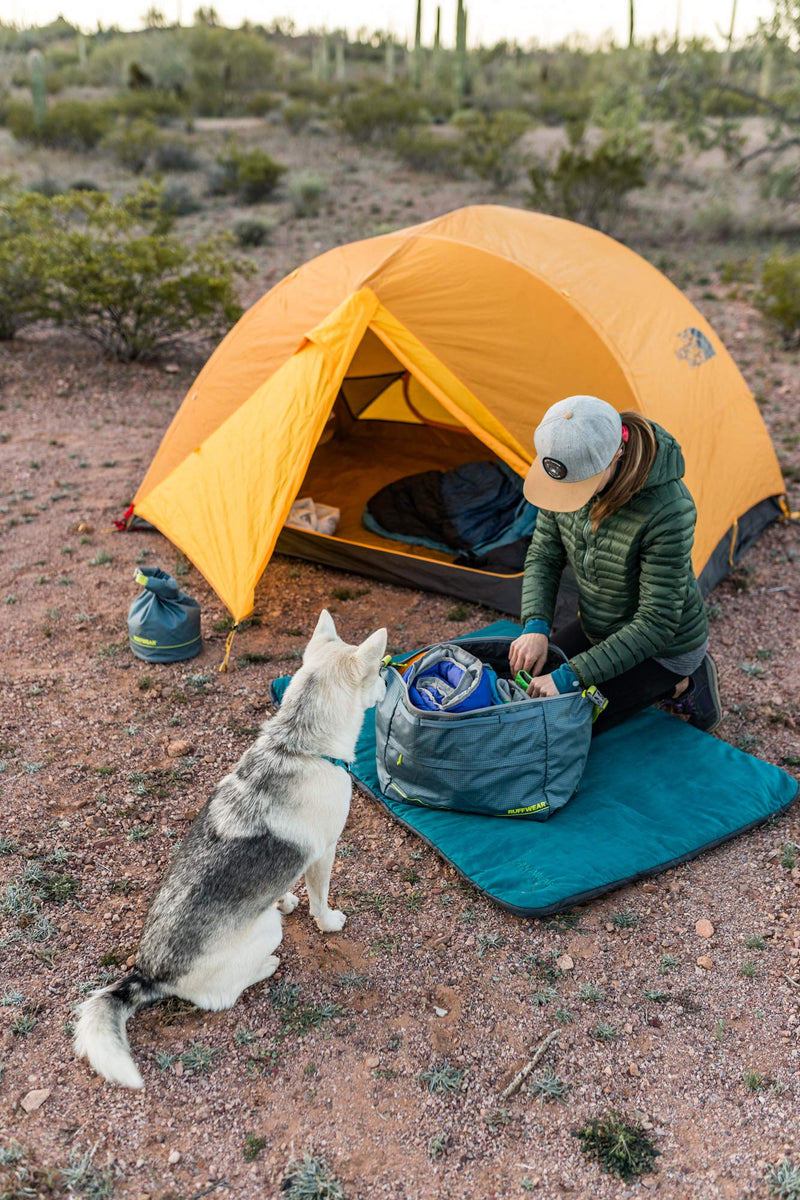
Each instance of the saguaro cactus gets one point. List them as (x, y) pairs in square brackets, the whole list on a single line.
[(461, 52), (416, 62), (341, 63), (437, 45), (388, 61), (38, 87)]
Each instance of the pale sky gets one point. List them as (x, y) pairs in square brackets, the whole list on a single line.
[(488, 20)]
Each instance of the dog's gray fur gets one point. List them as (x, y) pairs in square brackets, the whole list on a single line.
[(215, 921)]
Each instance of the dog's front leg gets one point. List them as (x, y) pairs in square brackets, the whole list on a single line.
[(318, 879)]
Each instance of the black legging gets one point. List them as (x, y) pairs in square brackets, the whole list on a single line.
[(627, 693)]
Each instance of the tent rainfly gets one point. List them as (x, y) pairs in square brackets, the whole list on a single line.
[(427, 348)]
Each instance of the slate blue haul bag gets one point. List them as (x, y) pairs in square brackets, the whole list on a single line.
[(524, 758), (163, 622)]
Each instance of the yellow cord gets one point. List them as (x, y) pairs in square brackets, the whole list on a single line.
[(733, 542), (788, 514), (223, 666)]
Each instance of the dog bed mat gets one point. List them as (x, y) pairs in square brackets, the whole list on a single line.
[(656, 792)]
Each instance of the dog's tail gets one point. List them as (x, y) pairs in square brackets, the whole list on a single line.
[(100, 1033)]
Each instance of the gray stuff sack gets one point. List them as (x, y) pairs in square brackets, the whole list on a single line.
[(521, 759), (163, 622)]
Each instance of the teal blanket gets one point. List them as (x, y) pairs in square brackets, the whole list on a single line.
[(655, 793)]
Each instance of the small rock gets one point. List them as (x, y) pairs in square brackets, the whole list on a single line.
[(703, 928), (179, 749), (633, 1069), (171, 368), (174, 1157), (440, 1012), (371, 1061), (35, 1099), (565, 963), (178, 1067), (705, 962), (650, 888)]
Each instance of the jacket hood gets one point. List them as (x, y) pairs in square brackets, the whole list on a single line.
[(669, 463)]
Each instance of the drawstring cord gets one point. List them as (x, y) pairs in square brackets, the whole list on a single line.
[(223, 666)]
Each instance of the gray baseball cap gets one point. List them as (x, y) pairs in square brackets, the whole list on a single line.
[(575, 442)]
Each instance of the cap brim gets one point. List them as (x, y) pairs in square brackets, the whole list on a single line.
[(556, 494)]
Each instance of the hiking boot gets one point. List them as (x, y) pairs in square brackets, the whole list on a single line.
[(700, 703), (706, 706)]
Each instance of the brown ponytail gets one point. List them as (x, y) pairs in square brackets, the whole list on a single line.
[(638, 455)]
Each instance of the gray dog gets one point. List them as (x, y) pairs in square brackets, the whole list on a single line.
[(216, 920)]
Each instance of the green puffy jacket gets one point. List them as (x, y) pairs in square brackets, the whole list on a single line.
[(637, 593)]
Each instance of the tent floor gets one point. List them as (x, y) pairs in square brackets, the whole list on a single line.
[(346, 470)]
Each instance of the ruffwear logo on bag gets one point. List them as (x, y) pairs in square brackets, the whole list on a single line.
[(694, 347)]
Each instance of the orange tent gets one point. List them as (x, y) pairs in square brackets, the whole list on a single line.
[(429, 347)]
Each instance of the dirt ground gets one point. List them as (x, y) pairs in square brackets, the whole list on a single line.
[(104, 760)]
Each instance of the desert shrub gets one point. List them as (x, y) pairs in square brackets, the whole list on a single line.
[(84, 185), (778, 296), (261, 103), (253, 231), (251, 175), (590, 185), (305, 192), (155, 104), (620, 1147), (23, 261), (717, 220), (115, 272), (132, 144), (425, 150), (378, 113), (68, 125), (489, 143), (296, 114), (46, 186), (179, 200), (175, 156)]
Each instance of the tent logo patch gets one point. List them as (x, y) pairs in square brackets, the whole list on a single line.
[(694, 347)]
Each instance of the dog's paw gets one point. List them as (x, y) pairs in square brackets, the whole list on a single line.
[(288, 903), (331, 921)]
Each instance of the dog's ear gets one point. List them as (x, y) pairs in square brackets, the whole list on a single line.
[(370, 652), (325, 630)]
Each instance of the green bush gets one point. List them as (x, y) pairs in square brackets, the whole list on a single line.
[(778, 296), (590, 185), (113, 272), (132, 144), (489, 143), (179, 200), (261, 103), (68, 125), (378, 113), (252, 231), (306, 191), (175, 156), (251, 175), (24, 262), (156, 104), (425, 150), (296, 114)]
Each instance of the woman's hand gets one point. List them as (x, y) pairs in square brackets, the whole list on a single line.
[(528, 653), (542, 685)]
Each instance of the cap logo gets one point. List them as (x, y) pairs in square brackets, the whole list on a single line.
[(554, 468)]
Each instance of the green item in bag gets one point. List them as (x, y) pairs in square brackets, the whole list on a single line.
[(163, 622)]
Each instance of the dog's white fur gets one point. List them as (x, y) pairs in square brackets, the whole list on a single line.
[(287, 804)]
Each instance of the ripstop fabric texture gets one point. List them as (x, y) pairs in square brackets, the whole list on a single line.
[(478, 320), (655, 793)]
